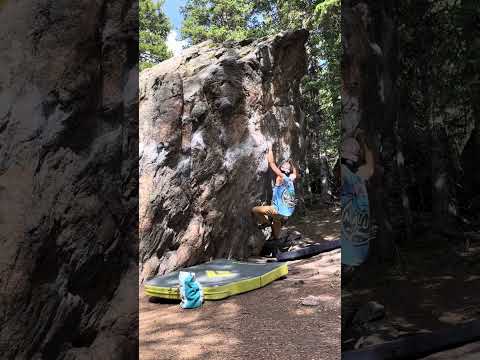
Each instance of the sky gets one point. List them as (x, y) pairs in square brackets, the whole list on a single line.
[(172, 10)]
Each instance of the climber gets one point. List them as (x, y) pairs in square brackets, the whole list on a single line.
[(354, 200), (283, 198)]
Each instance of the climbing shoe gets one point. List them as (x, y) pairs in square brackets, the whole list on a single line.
[(270, 248), (263, 226)]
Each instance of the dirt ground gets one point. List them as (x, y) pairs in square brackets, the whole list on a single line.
[(267, 323), (437, 286)]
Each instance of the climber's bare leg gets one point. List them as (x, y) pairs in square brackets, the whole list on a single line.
[(276, 228)]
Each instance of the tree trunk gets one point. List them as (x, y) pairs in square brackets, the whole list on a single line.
[(369, 73)]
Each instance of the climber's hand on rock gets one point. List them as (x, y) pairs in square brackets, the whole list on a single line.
[(270, 154)]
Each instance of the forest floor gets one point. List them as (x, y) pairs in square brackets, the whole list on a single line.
[(267, 323), (437, 286)]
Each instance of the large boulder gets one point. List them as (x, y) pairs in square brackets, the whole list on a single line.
[(68, 179), (205, 120)]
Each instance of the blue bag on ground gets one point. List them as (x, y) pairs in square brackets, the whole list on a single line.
[(190, 290)]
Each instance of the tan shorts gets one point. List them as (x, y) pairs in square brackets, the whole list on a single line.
[(263, 214)]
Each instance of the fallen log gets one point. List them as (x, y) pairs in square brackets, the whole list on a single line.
[(419, 345), (308, 251), (467, 352)]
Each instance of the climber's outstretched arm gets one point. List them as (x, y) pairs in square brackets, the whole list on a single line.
[(295, 172), (271, 162), (366, 170)]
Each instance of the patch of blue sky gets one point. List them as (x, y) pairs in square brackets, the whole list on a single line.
[(172, 10)]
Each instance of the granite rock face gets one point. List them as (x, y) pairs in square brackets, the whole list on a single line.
[(205, 120), (68, 179)]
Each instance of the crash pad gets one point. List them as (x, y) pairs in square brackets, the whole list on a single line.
[(219, 278)]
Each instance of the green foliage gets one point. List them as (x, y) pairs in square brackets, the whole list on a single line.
[(221, 20), (438, 53), (218, 20), (324, 80), (154, 28)]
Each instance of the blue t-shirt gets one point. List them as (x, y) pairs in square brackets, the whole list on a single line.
[(355, 218), (283, 199)]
